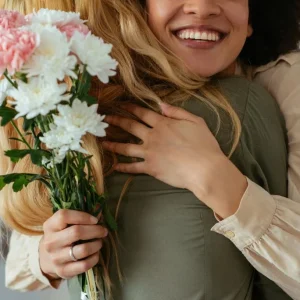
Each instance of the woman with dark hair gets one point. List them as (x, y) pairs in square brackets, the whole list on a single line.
[(169, 251)]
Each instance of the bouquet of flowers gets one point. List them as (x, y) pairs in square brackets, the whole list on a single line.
[(37, 53)]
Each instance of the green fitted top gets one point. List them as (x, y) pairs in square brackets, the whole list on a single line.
[(167, 250)]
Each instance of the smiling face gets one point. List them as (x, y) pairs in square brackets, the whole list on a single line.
[(208, 35)]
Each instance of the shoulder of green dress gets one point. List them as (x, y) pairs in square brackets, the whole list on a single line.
[(248, 97), (263, 108)]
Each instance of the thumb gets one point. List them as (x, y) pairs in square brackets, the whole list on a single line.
[(176, 113)]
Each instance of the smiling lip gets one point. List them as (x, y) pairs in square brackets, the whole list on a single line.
[(199, 37)]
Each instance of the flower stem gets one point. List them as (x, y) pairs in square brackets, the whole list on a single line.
[(20, 134), (82, 81), (67, 171), (10, 81)]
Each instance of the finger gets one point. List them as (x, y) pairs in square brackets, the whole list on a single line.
[(177, 113), (132, 168), (72, 269), (130, 150), (61, 219), (81, 251), (83, 233), (74, 234), (134, 127), (148, 116)]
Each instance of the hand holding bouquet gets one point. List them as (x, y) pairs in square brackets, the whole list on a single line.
[(38, 53)]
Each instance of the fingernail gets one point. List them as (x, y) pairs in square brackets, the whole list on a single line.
[(105, 233), (94, 220)]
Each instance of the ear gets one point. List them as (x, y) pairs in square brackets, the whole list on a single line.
[(250, 30)]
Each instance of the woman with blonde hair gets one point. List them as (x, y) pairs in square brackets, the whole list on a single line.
[(166, 50)]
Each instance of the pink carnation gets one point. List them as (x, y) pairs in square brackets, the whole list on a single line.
[(11, 19), (16, 47), (70, 29)]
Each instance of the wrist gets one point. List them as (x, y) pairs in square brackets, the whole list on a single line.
[(221, 186)]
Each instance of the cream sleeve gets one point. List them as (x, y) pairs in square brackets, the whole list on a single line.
[(266, 228), (22, 269)]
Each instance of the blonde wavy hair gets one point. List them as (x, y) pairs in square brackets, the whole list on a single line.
[(148, 74)]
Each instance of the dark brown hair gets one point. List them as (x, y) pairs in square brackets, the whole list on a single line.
[(276, 30)]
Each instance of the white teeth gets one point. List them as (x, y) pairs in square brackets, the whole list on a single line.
[(197, 35), (204, 36)]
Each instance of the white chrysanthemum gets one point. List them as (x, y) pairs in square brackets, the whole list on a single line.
[(5, 86), (37, 97), (80, 118), (58, 157), (52, 58), (55, 17), (68, 128), (95, 54), (61, 141)]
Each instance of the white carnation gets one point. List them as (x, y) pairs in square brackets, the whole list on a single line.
[(80, 118), (95, 54), (55, 17), (52, 58), (37, 97), (5, 86)]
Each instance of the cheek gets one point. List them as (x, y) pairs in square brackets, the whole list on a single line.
[(159, 14), (237, 14)]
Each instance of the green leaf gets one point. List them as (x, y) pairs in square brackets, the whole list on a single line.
[(84, 84), (16, 139), (16, 155), (2, 183), (7, 114), (21, 76), (37, 156), (66, 205), (27, 124), (56, 206), (11, 177), (21, 182), (90, 100), (38, 142)]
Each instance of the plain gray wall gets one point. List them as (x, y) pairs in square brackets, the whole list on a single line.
[(6, 294)]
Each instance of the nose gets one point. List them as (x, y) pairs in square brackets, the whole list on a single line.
[(202, 8)]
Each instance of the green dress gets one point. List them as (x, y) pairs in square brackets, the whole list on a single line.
[(167, 250)]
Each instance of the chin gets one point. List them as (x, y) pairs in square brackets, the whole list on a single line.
[(206, 73)]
